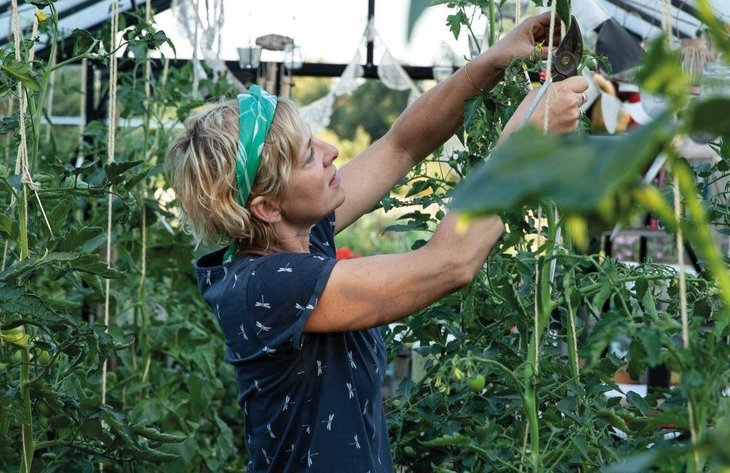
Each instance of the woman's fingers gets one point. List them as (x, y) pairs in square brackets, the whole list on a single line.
[(577, 84)]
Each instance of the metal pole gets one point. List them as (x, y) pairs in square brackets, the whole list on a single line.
[(371, 21)]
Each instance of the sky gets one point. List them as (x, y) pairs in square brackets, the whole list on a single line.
[(328, 30)]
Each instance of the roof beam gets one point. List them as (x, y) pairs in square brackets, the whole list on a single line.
[(645, 16)]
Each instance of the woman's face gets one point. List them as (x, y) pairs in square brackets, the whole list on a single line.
[(314, 189)]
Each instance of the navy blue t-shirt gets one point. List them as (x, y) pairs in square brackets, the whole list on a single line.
[(311, 402)]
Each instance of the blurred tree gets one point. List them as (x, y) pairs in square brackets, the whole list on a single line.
[(372, 106), (308, 89)]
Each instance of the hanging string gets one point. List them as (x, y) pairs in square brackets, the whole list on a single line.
[(667, 27), (518, 12), (680, 263), (111, 139), (21, 162), (549, 63), (22, 166), (667, 21), (536, 360), (143, 250)]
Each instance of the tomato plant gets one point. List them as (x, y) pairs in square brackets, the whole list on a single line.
[(541, 320)]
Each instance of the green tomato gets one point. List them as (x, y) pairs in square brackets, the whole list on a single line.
[(409, 451), (44, 358), (17, 356), (476, 383), (43, 408)]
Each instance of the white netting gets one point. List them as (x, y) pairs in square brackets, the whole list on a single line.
[(318, 113), (392, 74), (348, 81), (202, 26)]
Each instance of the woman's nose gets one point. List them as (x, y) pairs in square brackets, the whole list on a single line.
[(332, 152)]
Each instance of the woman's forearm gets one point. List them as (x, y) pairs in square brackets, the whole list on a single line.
[(437, 114)]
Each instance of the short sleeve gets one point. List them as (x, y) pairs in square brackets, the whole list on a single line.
[(282, 291)]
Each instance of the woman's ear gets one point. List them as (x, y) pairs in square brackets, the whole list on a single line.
[(265, 209)]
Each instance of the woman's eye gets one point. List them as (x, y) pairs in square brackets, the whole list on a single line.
[(311, 155)]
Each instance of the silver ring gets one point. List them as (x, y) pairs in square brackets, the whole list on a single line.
[(584, 96), (582, 112)]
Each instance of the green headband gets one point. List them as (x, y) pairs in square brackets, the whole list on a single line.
[(255, 114)]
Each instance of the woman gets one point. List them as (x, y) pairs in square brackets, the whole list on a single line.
[(301, 327)]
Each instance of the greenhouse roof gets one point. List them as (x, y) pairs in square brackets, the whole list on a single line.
[(83, 14), (642, 18)]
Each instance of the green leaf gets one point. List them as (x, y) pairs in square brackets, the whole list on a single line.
[(603, 333), (448, 440), (114, 171), (662, 73), (83, 42), (455, 22), (6, 225), (415, 11), (225, 438), (637, 359), (22, 72), (76, 237), (716, 27), (574, 172), (709, 116), (636, 462), (58, 214), (138, 48), (17, 302), (563, 10), (159, 38), (25, 269), (651, 339), (135, 178), (648, 302), (637, 401)]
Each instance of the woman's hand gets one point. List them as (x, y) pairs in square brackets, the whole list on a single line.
[(565, 99), (523, 39)]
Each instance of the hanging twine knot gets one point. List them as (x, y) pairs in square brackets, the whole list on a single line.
[(26, 180)]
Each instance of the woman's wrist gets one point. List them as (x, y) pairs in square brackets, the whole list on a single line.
[(484, 71)]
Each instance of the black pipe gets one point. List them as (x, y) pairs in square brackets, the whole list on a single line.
[(371, 21)]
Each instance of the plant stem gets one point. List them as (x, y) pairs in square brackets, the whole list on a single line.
[(492, 23), (570, 318)]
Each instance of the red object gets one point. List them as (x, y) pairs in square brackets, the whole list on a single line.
[(346, 253), (633, 97)]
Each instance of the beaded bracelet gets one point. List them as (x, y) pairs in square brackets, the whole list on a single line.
[(466, 69)]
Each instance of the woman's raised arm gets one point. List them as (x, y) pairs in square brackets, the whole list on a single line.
[(431, 120)]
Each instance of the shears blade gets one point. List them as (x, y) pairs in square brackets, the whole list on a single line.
[(569, 53)]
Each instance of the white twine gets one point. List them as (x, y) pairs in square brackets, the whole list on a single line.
[(111, 140)]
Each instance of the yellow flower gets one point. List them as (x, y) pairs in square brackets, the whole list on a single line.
[(40, 15)]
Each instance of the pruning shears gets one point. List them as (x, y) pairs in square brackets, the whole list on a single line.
[(565, 63), (569, 53)]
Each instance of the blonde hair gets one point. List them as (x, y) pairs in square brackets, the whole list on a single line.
[(201, 166)]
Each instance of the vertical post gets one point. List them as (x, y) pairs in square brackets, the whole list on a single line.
[(89, 105), (371, 21)]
